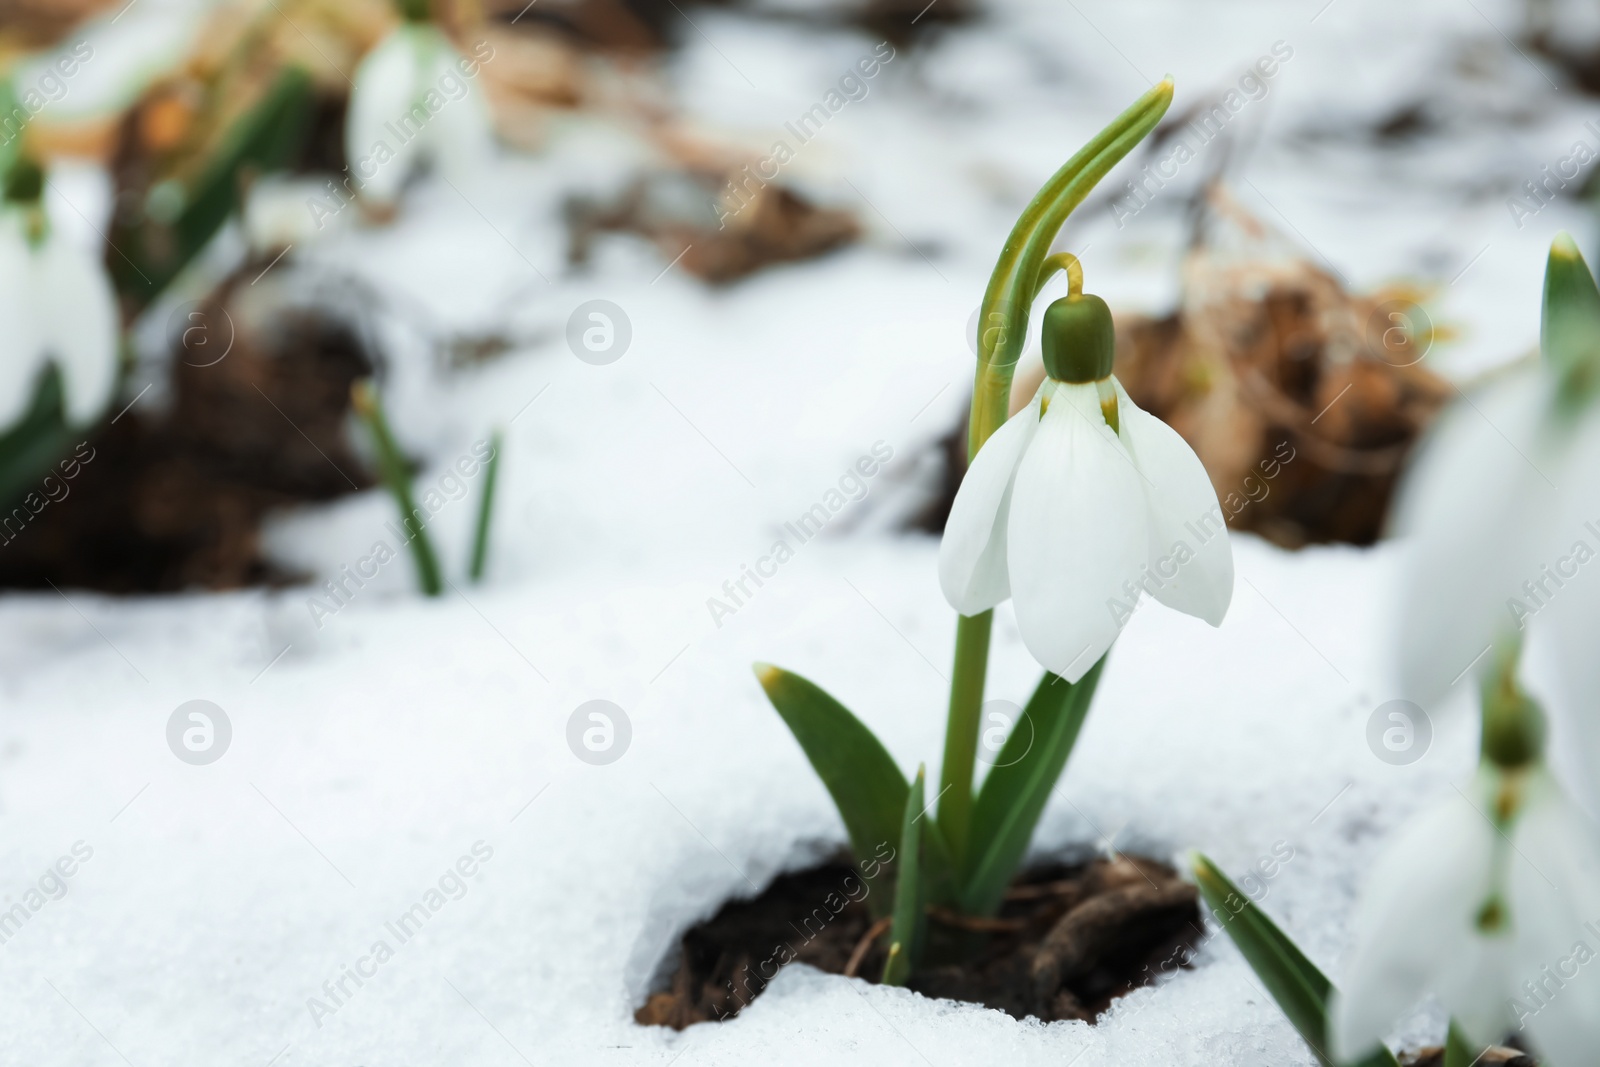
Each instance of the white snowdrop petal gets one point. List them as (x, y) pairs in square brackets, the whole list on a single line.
[(21, 351), (972, 554), (1470, 981), (1555, 904), (1077, 533), (382, 138), (1189, 554), (1563, 599), (1471, 490), (1420, 901), (461, 132), (77, 311)]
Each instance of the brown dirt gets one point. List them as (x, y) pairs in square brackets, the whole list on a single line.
[(1067, 942), (175, 500)]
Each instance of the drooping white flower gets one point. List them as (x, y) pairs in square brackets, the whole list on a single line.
[(415, 100), (1080, 502), (56, 306), (1490, 901), (1502, 515)]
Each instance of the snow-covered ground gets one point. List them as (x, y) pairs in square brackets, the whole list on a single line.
[(404, 741)]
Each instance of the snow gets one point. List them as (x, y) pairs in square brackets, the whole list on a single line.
[(370, 755)]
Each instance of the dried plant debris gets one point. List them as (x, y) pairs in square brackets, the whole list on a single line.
[(1067, 941), (165, 501), (1494, 1057), (1301, 398), (719, 240), (30, 24)]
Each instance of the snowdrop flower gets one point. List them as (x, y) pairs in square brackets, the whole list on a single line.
[(1502, 509), (414, 101), (56, 306), (1490, 901), (1080, 502)]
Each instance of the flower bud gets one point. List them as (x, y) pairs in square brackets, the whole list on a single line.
[(1080, 343), (1513, 723)]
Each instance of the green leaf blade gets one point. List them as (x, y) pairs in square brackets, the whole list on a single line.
[(264, 140), (1301, 990), (1569, 325), (1014, 794), (905, 930), (860, 775)]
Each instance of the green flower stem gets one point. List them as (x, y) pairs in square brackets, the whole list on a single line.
[(414, 10), (480, 541), (364, 398), (1024, 266), (961, 732)]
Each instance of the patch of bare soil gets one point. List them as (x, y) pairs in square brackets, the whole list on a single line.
[(160, 502), (1067, 942)]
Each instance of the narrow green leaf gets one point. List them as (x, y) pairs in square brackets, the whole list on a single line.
[(1014, 794), (860, 775), (11, 144), (397, 476), (1300, 988), (149, 255), (480, 538), (1569, 328), (905, 932), (1458, 1048)]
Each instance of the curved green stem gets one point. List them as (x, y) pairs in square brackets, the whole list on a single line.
[(1061, 261), (1025, 265)]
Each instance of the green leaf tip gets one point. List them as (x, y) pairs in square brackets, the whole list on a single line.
[(767, 675), (1569, 324)]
